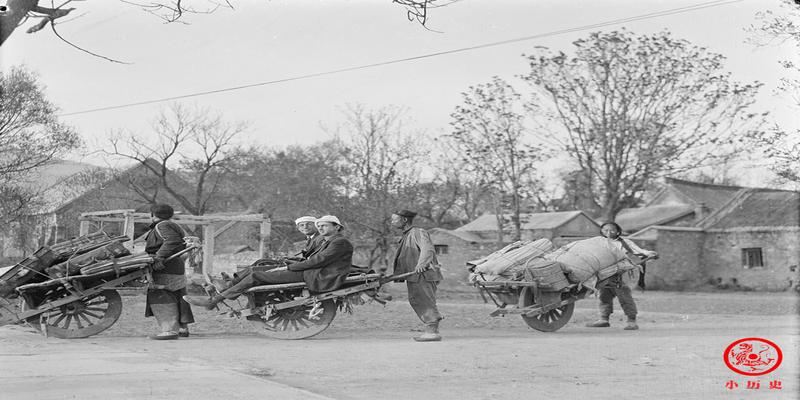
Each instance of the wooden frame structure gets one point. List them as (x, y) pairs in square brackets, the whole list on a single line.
[(129, 217)]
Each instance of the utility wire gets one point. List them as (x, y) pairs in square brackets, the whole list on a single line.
[(640, 17)]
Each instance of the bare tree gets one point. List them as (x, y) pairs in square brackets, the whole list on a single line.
[(454, 195), (381, 157), (188, 157), (781, 146), (490, 131), (31, 136), (16, 12), (286, 183), (633, 108)]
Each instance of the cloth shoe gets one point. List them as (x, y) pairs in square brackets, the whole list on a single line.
[(183, 333), (631, 326), (600, 323), (431, 334), (165, 336)]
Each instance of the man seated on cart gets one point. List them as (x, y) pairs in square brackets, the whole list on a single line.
[(323, 271), (306, 225)]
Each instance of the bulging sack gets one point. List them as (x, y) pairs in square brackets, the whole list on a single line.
[(584, 258)]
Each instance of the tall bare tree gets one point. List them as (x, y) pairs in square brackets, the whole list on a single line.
[(454, 195), (489, 129), (194, 146), (288, 182), (381, 157), (30, 137), (780, 145), (633, 108)]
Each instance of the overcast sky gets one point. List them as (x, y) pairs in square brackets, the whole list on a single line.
[(261, 41)]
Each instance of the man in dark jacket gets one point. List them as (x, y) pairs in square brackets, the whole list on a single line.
[(306, 225), (415, 253), (323, 271), (164, 239)]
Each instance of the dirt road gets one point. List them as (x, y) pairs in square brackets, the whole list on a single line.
[(369, 354)]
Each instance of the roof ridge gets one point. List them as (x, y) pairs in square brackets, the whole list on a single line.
[(726, 208), (701, 184)]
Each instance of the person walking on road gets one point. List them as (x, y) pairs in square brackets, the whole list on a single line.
[(614, 286), (415, 253), (164, 300)]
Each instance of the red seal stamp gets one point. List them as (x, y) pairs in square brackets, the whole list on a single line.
[(753, 356)]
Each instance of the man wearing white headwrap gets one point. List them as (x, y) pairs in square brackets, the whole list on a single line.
[(323, 271), (307, 226)]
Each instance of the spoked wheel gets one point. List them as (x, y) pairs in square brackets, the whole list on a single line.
[(299, 322), (549, 321), (81, 318), (9, 310)]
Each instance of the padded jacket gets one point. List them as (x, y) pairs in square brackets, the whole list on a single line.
[(165, 239), (327, 268)]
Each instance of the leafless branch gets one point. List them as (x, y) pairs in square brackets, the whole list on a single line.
[(55, 31)]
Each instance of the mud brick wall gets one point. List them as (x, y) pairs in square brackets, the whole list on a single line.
[(459, 251), (780, 250), (677, 268)]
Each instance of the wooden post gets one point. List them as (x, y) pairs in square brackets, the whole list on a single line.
[(84, 229), (264, 236), (208, 248), (127, 228)]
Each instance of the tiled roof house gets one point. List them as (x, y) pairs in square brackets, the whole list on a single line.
[(715, 234)]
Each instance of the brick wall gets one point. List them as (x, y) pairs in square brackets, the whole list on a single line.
[(459, 251), (677, 268), (780, 249)]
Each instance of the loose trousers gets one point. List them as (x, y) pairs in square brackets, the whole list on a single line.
[(169, 308), (256, 277), (623, 293), (422, 297)]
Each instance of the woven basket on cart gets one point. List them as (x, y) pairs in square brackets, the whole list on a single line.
[(549, 274)]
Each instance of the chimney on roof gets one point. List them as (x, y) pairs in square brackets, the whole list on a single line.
[(700, 211)]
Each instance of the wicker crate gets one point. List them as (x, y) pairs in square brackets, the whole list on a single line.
[(548, 274)]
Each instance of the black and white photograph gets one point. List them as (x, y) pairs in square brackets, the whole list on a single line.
[(399, 199)]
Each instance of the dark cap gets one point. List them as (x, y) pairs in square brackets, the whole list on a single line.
[(406, 213), (163, 211)]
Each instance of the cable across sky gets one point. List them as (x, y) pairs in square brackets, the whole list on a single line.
[(640, 17)]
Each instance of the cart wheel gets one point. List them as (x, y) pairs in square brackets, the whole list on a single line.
[(81, 318), (294, 323), (9, 310), (549, 321)]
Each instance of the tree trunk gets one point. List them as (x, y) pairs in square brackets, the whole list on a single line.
[(16, 10), (516, 214), (609, 213), (498, 214)]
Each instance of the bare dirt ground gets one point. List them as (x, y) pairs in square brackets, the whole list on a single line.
[(370, 354)]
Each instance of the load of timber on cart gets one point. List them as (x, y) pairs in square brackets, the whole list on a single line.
[(95, 254), (583, 262)]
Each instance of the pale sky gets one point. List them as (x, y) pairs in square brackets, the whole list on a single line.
[(262, 41)]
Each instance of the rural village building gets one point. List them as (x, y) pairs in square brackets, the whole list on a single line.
[(726, 236), (68, 189), (718, 235)]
